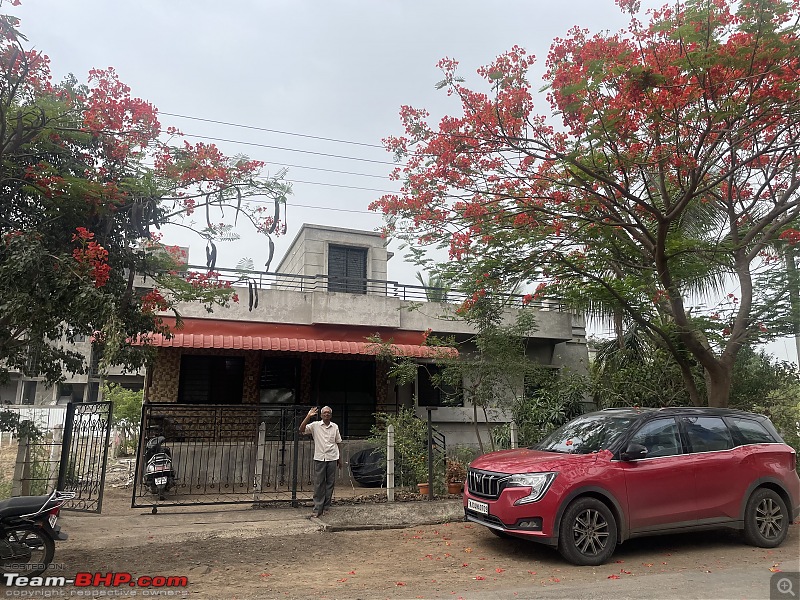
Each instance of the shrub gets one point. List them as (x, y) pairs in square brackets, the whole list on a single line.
[(410, 445)]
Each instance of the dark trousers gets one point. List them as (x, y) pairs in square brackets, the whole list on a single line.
[(324, 480)]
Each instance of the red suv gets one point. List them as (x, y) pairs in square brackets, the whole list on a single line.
[(616, 474)]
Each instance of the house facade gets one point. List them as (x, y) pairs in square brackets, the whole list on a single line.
[(299, 337)]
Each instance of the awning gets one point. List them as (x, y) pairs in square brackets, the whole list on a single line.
[(341, 339)]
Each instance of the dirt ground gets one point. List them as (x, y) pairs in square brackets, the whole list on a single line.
[(451, 560)]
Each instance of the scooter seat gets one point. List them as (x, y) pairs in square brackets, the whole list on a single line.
[(23, 505)]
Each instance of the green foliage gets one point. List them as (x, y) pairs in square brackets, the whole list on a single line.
[(411, 445), (757, 375), (85, 180), (551, 400), (436, 288), (126, 405), (5, 488), (10, 421), (637, 374)]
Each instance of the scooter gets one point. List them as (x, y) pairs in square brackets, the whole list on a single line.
[(28, 532), (159, 476)]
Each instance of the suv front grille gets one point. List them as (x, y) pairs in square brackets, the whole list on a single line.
[(485, 483)]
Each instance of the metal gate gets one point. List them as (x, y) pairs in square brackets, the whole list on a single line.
[(84, 450), (224, 454)]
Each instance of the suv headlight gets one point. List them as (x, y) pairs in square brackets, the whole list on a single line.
[(538, 482)]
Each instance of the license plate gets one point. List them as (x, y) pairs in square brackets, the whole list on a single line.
[(53, 519), (161, 481), (479, 507)]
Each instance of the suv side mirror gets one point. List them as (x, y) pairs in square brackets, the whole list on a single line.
[(634, 452)]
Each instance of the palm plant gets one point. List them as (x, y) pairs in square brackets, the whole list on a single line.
[(435, 286)]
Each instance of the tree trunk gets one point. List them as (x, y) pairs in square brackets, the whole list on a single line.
[(488, 428), (794, 294), (719, 385), (619, 325), (689, 383), (477, 429)]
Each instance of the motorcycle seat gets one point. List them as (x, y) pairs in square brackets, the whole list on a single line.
[(23, 505)]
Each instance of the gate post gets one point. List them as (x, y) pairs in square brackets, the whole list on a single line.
[(22, 470), (66, 442), (260, 449), (54, 448), (296, 461), (390, 463)]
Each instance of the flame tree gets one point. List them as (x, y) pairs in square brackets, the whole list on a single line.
[(86, 179), (662, 186)]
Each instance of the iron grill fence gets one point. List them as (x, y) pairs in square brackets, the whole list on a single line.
[(265, 280), (225, 454)]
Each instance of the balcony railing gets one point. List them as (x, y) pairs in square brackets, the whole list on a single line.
[(377, 287)]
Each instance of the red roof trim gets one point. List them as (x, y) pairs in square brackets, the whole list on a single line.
[(240, 335)]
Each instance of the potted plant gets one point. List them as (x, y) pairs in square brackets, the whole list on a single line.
[(420, 468), (455, 474)]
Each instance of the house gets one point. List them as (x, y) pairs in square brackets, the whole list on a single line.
[(299, 337), (34, 390)]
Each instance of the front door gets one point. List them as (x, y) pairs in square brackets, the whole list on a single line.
[(661, 487)]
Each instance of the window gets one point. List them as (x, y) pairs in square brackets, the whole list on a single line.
[(28, 392), (751, 432), (432, 391), (211, 379), (279, 380), (707, 434), (660, 437), (32, 364), (347, 269)]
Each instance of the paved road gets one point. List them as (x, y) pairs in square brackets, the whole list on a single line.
[(747, 583), (396, 551)]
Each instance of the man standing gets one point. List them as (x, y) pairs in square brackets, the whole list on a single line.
[(327, 456)]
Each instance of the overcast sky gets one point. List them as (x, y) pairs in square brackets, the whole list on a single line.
[(337, 69)]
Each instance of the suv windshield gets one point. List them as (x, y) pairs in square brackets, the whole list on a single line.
[(586, 434)]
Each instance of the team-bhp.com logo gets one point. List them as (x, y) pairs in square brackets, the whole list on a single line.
[(95, 580)]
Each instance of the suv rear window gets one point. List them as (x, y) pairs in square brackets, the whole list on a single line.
[(751, 432), (707, 434)]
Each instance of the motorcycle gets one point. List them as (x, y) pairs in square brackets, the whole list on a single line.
[(159, 476), (28, 532)]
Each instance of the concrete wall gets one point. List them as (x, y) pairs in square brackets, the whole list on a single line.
[(308, 254), (340, 308)]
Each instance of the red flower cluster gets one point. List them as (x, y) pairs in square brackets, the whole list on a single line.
[(792, 236), (209, 280), (154, 301), (93, 255)]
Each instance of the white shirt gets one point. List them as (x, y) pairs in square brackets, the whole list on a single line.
[(325, 440)]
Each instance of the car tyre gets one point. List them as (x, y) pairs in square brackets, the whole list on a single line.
[(588, 533), (766, 519)]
